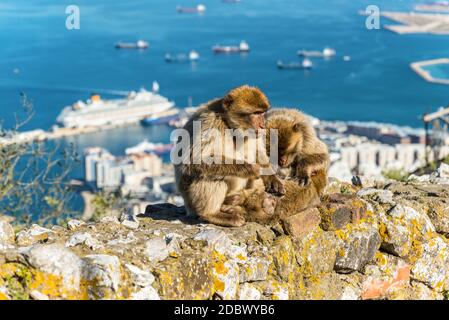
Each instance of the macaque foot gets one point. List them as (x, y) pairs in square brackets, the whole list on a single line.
[(232, 209), (234, 200), (269, 204), (227, 219)]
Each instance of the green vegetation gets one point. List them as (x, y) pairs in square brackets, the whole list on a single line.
[(396, 174), (106, 203)]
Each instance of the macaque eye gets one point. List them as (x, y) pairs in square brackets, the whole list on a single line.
[(297, 127), (259, 113)]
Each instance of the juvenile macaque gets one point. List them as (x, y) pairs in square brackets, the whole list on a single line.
[(301, 153)]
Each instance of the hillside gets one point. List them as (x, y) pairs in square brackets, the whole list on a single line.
[(380, 242)]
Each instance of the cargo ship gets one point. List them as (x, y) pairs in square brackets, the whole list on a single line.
[(325, 53), (141, 44), (242, 47), (305, 64), (97, 112), (182, 57), (198, 9)]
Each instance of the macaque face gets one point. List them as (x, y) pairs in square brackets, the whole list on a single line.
[(286, 159), (288, 145), (245, 108), (257, 120)]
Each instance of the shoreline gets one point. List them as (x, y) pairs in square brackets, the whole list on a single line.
[(416, 22)]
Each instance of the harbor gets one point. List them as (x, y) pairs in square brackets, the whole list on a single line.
[(418, 67), (414, 22)]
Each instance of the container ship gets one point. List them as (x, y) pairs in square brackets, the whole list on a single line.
[(97, 112)]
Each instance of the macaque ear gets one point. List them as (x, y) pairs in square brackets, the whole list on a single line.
[(227, 101), (297, 127)]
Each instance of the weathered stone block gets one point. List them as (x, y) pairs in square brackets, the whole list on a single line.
[(103, 271), (340, 209), (84, 238), (332, 286), (249, 292), (377, 195), (75, 224), (187, 277), (357, 247), (431, 267), (32, 235), (302, 223), (253, 269), (283, 257), (316, 253), (6, 233), (156, 250), (403, 231), (387, 275)]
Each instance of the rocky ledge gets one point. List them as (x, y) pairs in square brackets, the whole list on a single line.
[(383, 242)]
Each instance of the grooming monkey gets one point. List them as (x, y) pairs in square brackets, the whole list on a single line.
[(301, 154), (303, 161), (213, 190)]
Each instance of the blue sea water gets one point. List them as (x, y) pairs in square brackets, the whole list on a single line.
[(377, 84)]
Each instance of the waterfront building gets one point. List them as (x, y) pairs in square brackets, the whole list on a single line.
[(105, 171)]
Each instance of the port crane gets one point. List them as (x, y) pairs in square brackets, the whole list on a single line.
[(439, 120)]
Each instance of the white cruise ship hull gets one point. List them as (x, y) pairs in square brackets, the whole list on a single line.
[(114, 112)]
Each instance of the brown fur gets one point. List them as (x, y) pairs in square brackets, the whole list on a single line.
[(205, 187), (306, 167), (298, 198), (299, 145)]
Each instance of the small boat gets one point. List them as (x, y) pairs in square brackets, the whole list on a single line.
[(305, 64), (155, 88), (198, 9), (328, 52), (140, 44), (242, 47), (346, 58), (193, 55), (325, 53), (152, 121), (181, 57), (149, 147)]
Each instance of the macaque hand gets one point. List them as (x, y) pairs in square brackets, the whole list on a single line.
[(274, 185), (303, 178)]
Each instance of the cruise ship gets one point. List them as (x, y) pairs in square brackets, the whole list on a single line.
[(98, 112)]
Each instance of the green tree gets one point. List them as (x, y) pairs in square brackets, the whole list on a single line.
[(34, 176)]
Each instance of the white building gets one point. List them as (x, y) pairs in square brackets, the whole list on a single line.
[(374, 157), (104, 171)]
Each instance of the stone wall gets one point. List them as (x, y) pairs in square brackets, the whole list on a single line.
[(385, 242)]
